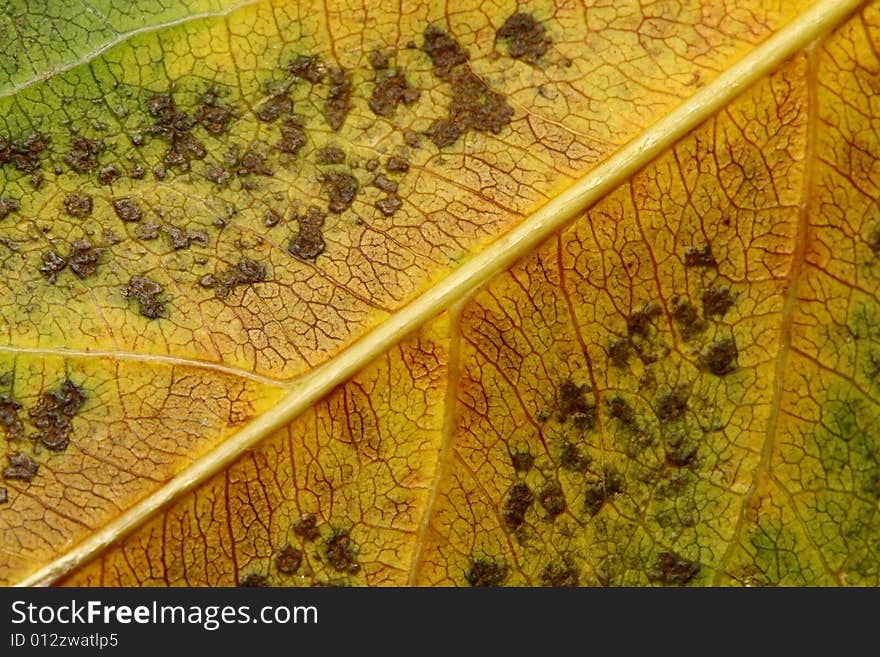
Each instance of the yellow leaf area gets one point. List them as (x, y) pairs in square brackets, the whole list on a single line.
[(682, 387)]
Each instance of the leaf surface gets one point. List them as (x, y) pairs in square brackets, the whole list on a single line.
[(655, 242)]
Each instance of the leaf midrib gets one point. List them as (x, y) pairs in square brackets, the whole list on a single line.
[(473, 273)]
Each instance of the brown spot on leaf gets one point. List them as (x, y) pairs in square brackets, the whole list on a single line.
[(338, 98), (518, 499), (717, 301), (4, 495), (444, 51), (293, 136), (599, 492), (52, 264), (639, 322), (685, 315), (669, 568), (288, 560), (21, 467), (378, 59), (7, 206), (78, 205), (253, 580), (147, 292), (108, 175), (274, 106), (253, 162), (483, 572), (671, 404), (306, 526), (24, 155), (174, 127), (618, 352), (525, 37), (307, 68), (53, 415), (397, 164), (330, 155), (82, 156), (385, 184), (341, 553), (559, 575), (9, 419), (571, 403), (552, 499), (213, 115), (619, 408), (245, 272), (720, 357), (341, 188), (146, 231), (127, 209), (389, 93), (571, 458), (699, 256), (680, 452), (308, 244), (522, 461), (271, 218), (389, 205), (83, 258), (874, 241), (181, 239)]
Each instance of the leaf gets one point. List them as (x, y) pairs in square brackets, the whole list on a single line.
[(608, 316)]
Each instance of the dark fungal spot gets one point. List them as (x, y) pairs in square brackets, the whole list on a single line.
[(552, 499), (720, 357), (253, 580), (146, 231), (288, 560), (599, 492), (127, 209), (341, 553), (484, 572), (4, 495), (372, 164), (391, 92), (82, 155), (9, 419), (147, 293), (213, 115), (271, 218), (640, 322), (253, 161), (717, 301), (341, 188), (338, 98), (217, 175), (559, 576), (699, 256), (137, 172), (7, 206), (620, 409), (293, 136), (518, 499), (572, 404), (24, 155), (874, 241), (525, 37), (53, 415), (671, 404), (396, 164), (245, 272), (330, 155), (174, 127), (378, 59), (306, 527), (274, 106), (522, 461), (444, 51), (670, 568), (618, 352), (21, 467), (52, 264), (78, 205), (680, 452), (182, 239), (385, 184), (108, 175), (307, 68), (389, 205), (83, 258), (308, 243), (571, 458), (685, 315), (412, 138)]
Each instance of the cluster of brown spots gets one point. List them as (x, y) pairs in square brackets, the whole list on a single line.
[(720, 356), (671, 404), (108, 175), (474, 105), (517, 501), (572, 404), (618, 352), (21, 467), (341, 552), (309, 68), (522, 461), (147, 293), (244, 272), (484, 572), (82, 156), (599, 492), (390, 92), (717, 301), (641, 329), (341, 188), (699, 256), (24, 155), (525, 37), (146, 231), (7, 206), (571, 458), (378, 59), (308, 243), (552, 499), (127, 209), (271, 218), (396, 164), (213, 115), (174, 127), (338, 101), (288, 560), (52, 265), (293, 136), (686, 318), (559, 575), (330, 155), (53, 415), (78, 205), (4, 495), (182, 239), (680, 452), (306, 527), (620, 409), (252, 161), (669, 568), (9, 419), (274, 106), (83, 260), (874, 241), (253, 580)]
